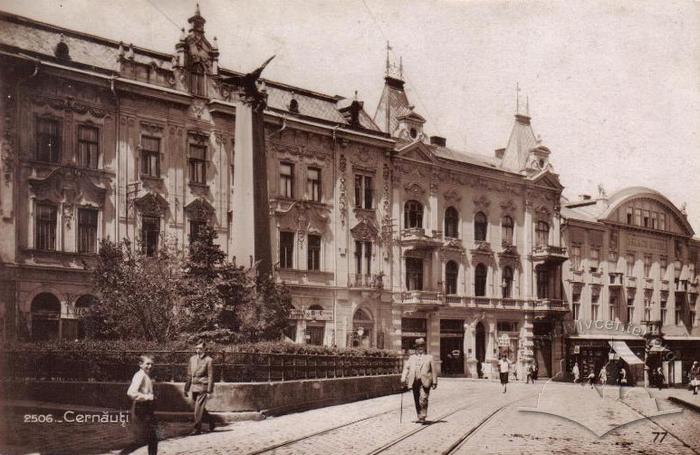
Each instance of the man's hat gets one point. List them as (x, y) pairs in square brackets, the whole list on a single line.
[(419, 342)]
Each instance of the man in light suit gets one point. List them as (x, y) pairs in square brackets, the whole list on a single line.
[(200, 380), (419, 374)]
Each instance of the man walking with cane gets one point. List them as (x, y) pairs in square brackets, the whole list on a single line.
[(420, 375), (200, 380)]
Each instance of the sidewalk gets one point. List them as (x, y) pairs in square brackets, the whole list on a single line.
[(682, 397)]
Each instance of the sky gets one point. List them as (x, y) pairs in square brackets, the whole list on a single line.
[(613, 87)]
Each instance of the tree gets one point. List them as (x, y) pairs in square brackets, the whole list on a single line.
[(137, 298)]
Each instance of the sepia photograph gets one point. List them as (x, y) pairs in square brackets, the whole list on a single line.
[(325, 227)]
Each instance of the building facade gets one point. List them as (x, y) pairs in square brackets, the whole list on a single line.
[(382, 234), (631, 278)]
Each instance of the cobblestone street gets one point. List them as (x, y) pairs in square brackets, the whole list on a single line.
[(460, 406), (466, 417)]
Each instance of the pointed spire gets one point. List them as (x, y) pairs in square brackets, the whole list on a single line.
[(517, 98), (388, 64)]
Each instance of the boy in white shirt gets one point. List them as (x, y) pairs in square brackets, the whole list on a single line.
[(143, 419)]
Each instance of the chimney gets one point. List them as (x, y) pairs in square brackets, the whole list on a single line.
[(439, 141), (499, 153)]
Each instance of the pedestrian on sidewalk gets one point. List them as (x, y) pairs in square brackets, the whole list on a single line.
[(530, 372), (622, 376), (200, 381), (660, 379), (503, 368), (603, 376), (695, 377), (420, 375), (576, 372), (591, 378), (143, 419)]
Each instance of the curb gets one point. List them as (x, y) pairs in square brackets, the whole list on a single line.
[(685, 403)]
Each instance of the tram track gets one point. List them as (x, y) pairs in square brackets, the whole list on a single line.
[(675, 436), (460, 441), (293, 441)]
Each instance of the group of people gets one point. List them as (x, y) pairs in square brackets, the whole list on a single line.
[(601, 377), (199, 383)]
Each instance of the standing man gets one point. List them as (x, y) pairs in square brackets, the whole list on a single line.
[(530, 374), (143, 419), (575, 371), (503, 369), (695, 377), (200, 380), (420, 375)]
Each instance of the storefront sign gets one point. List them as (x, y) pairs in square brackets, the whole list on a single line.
[(311, 315), (504, 340)]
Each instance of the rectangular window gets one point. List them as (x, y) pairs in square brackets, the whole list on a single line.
[(595, 259), (594, 312), (630, 265), (630, 308), (286, 250), (647, 265), (313, 254), (313, 184), (506, 326), (629, 215), (363, 258), (638, 217), (197, 82), (576, 257), (613, 307), (663, 264), (287, 180), (414, 274), (198, 164), (48, 140), (87, 230), (662, 221), (150, 156), (88, 146), (196, 227), (646, 218), (654, 220), (647, 307), (45, 235), (576, 304), (363, 191), (664, 309), (679, 314), (612, 256), (150, 234)]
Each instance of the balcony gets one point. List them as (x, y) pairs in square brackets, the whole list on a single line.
[(576, 275), (362, 281), (648, 283), (596, 278), (482, 248), (549, 305), (311, 277), (454, 300), (664, 285), (615, 280), (417, 238), (631, 281), (549, 253), (422, 298), (509, 250), (681, 286)]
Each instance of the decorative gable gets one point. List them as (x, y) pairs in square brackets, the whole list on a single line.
[(151, 204), (199, 209), (364, 231), (417, 151)]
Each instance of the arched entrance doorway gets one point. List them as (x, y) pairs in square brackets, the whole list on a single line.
[(46, 317), (362, 328), (480, 347)]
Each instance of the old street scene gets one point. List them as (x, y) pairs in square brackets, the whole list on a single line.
[(485, 244)]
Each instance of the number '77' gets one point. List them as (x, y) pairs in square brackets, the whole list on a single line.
[(659, 433)]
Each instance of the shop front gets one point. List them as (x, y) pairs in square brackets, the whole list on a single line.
[(612, 354)]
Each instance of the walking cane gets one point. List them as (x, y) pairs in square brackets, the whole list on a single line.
[(401, 411)]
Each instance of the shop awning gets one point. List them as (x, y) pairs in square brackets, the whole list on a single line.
[(625, 352)]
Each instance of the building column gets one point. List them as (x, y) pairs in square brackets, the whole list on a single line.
[(469, 348), (433, 341), (528, 266)]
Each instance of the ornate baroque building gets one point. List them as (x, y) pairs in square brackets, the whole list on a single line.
[(383, 234)]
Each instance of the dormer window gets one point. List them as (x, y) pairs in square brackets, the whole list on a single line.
[(414, 133), (197, 81), (294, 106)]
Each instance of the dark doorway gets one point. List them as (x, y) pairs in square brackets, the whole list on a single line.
[(480, 347), (543, 356), (452, 356), (46, 317)]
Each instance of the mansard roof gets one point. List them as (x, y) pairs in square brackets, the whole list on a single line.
[(601, 209), (20, 35), (522, 140)]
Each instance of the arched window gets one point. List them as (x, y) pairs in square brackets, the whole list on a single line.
[(507, 282), (46, 316), (480, 280), (451, 223), (507, 231), (413, 214), (542, 233), (451, 274), (480, 226)]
